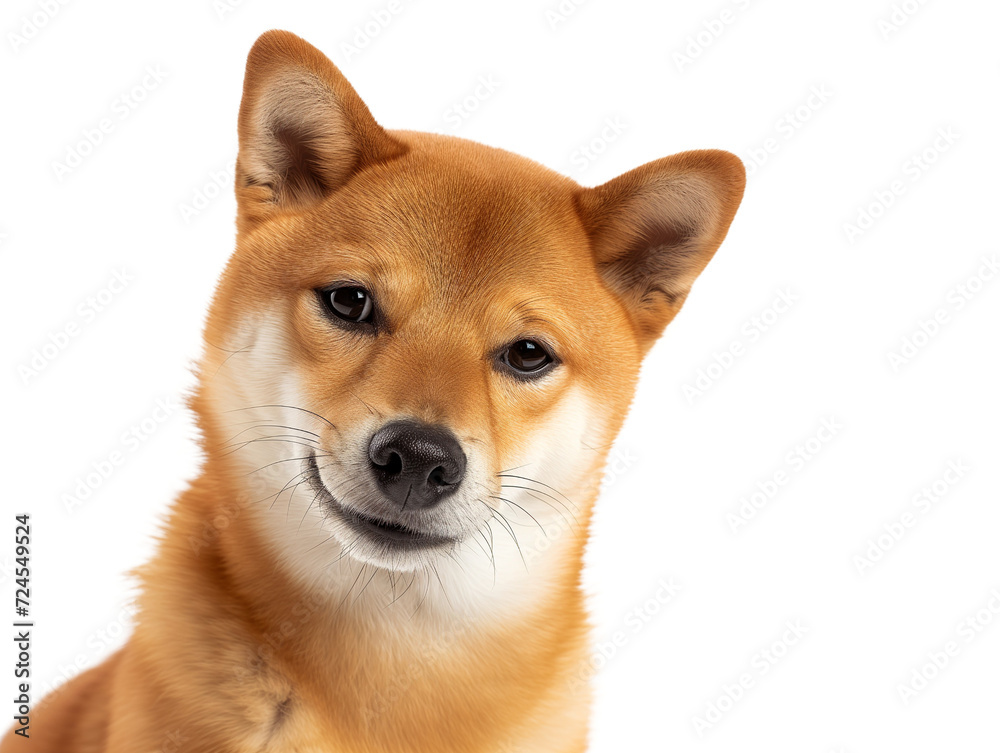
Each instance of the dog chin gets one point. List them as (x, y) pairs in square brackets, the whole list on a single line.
[(371, 540)]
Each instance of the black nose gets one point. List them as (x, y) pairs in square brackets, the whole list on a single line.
[(416, 465)]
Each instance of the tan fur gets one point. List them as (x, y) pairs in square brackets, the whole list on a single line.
[(242, 645)]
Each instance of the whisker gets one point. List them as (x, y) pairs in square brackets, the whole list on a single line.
[(296, 437), (288, 407), (287, 460), (231, 354), (305, 475), (515, 468), (308, 508), (535, 481), (511, 502), (349, 590), (480, 544), (300, 441), (365, 586), (562, 515), (400, 595), (321, 544), (420, 603), (270, 426), (537, 491), (506, 524), (441, 583), (491, 555), (371, 410), (599, 448)]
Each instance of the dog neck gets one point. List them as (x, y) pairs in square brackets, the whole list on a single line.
[(294, 646)]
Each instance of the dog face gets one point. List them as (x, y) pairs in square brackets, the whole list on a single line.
[(423, 347)]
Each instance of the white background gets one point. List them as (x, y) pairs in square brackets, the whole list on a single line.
[(890, 84)]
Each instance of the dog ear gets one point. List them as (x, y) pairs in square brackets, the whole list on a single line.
[(303, 130), (654, 228)]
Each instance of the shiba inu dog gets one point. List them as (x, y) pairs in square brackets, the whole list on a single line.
[(415, 364)]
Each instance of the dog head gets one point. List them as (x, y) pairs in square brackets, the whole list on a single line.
[(423, 347)]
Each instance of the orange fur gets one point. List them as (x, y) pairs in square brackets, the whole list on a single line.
[(240, 645)]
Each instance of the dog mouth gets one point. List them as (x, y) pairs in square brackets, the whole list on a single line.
[(387, 533)]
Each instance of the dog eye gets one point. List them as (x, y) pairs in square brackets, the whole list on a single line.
[(350, 303), (527, 357)]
